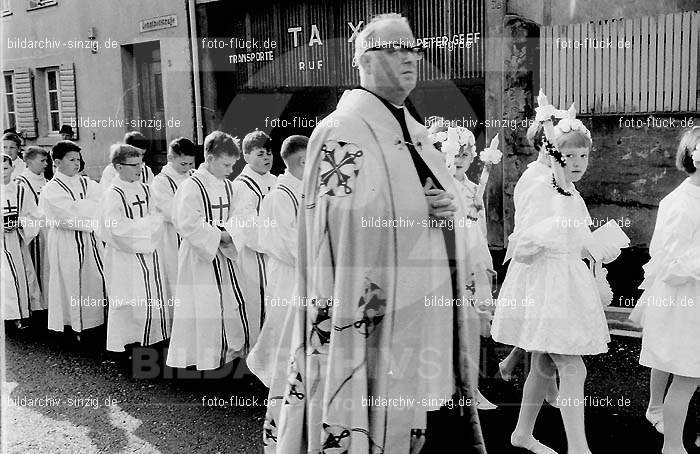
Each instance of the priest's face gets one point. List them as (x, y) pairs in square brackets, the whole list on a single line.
[(10, 147), (130, 170), (576, 162), (182, 164), (70, 164), (37, 164), (6, 171), (259, 159), (391, 62), (220, 166)]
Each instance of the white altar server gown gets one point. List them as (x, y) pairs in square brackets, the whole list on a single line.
[(33, 184), (670, 304), (277, 237), (138, 297), (109, 174), (163, 189), (249, 190), (211, 322), (20, 289), (77, 291)]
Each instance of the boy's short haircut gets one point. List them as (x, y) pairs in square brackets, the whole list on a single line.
[(684, 155), (120, 152), (13, 137), (136, 139), (535, 134), (256, 139), (34, 151), (182, 146), (292, 145), (218, 143), (62, 148)]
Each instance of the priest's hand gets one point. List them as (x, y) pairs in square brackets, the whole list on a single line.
[(440, 204)]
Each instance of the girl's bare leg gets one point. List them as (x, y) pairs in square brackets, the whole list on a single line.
[(572, 375), (676, 411)]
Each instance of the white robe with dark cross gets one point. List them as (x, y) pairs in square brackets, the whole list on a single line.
[(210, 322), (138, 297), (277, 237), (249, 190), (20, 290), (163, 190), (33, 184), (77, 290)]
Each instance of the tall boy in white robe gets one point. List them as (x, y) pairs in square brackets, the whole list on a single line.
[(277, 238), (132, 231), (77, 292), (249, 190), (181, 153), (20, 290), (109, 174), (209, 313), (33, 181)]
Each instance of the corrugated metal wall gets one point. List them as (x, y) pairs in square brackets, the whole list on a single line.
[(455, 22)]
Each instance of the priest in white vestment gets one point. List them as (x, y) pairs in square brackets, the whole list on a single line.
[(378, 342)]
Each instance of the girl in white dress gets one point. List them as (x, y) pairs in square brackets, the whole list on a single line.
[(549, 303), (669, 310)]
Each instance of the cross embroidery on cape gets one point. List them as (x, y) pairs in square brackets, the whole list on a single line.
[(339, 167), (371, 309)]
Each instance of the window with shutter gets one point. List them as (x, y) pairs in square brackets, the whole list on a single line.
[(9, 92), (24, 102), (53, 100), (68, 100)]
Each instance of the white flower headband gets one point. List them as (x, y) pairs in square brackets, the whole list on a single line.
[(454, 141), (569, 122)]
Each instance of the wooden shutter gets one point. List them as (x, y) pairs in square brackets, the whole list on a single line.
[(24, 102), (69, 103)]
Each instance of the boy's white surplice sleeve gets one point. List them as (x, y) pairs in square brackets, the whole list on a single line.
[(243, 222), (128, 235), (31, 218), (163, 198), (188, 219), (277, 232), (66, 213)]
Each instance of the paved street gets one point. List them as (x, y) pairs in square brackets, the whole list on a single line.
[(68, 398)]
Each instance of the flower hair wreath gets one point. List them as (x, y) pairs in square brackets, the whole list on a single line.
[(454, 141), (567, 123)]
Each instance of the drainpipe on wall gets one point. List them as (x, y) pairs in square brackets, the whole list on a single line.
[(194, 51)]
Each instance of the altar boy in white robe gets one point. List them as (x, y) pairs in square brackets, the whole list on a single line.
[(249, 189), (277, 237), (33, 181), (20, 291), (210, 318), (181, 154), (109, 174), (132, 231), (77, 294)]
